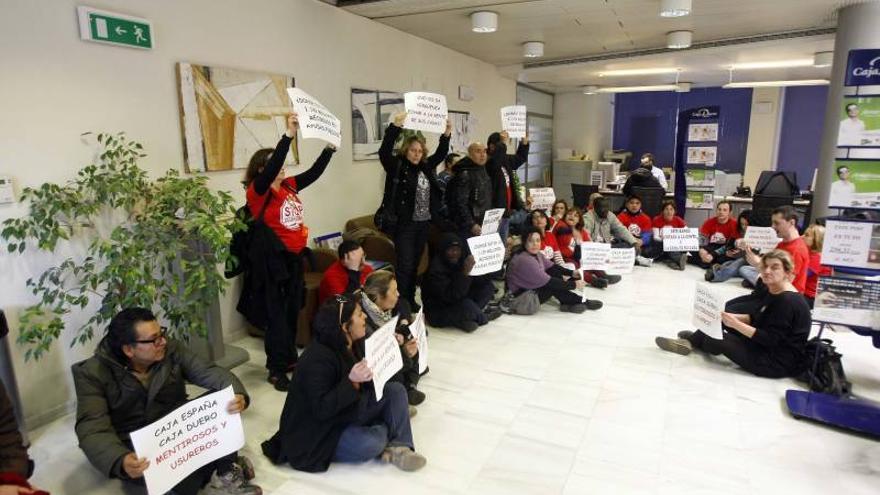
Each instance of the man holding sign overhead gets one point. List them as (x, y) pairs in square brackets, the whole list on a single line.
[(502, 169), (137, 376)]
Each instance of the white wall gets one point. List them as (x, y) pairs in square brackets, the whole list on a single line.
[(584, 123), (763, 141), (55, 87)]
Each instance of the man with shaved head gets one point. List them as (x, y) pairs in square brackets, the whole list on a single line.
[(470, 192)]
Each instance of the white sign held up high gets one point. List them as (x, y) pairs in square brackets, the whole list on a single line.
[(194, 434), (425, 112), (708, 305), (315, 121), (491, 221), (513, 120), (383, 355), (488, 252)]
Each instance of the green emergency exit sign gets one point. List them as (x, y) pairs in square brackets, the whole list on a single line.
[(117, 29)]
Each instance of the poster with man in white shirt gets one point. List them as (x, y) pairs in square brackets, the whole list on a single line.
[(852, 127), (842, 190)]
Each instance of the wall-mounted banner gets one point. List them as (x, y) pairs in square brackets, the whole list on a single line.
[(702, 155), (491, 221), (701, 200), (542, 198), (699, 177), (848, 301), (857, 184), (315, 121), (488, 252), (194, 434), (513, 120), (859, 121), (708, 305), (853, 244), (425, 112), (761, 238), (678, 240), (702, 132), (383, 355), (863, 68)]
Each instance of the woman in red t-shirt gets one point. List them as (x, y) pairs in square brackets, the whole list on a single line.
[(274, 280), (814, 238), (570, 233), (549, 245), (560, 208), (666, 218)]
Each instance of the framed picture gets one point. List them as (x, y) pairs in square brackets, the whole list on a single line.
[(460, 139), (228, 114), (371, 110)]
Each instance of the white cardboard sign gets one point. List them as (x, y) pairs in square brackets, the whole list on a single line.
[(621, 261), (708, 305), (849, 244), (488, 252), (761, 238), (678, 240), (542, 198), (425, 112), (194, 434), (383, 355), (491, 221), (513, 120), (315, 121), (594, 255), (420, 333)]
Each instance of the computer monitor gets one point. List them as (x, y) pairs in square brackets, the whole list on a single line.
[(610, 170), (622, 157)]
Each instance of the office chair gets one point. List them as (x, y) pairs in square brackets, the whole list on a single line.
[(580, 194), (762, 208), (652, 199)]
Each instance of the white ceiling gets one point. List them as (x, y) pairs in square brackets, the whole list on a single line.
[(572, 29)]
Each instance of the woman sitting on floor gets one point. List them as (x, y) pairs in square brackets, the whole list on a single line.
[(381, 302), (814, 238), (771, 341), (531, 270), (331, 412), (570, 233), (549, 243), (560, 208), (677, 260)]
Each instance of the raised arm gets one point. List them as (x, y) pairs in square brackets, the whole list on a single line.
[(442, 147), (308, 177), (522, 153), (386, 151), (276, 161)]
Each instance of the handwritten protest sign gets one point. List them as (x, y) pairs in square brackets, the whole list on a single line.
[(849, 244), (488, 252), (761, 238), (542, 198), (420, 333), (594, 255), (513, 120), (491, 221), (708, 305), (677, 240), (621, 261), (425, 112), (194, 434), (315, 121), (383, 355)]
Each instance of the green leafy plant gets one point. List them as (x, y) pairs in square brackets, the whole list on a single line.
[(151, 243)]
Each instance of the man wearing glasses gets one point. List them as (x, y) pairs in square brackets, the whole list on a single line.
[(137, 376)]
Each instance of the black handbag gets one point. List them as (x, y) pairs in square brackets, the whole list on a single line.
[(386, 216)]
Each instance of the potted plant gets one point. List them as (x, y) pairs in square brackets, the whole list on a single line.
[(150, 243)]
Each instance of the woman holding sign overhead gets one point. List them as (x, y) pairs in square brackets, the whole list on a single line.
[(331, 413), (771, 341), (274, 286), (412, 198)]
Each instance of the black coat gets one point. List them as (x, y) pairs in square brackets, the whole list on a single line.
[(445, 284), (641, 177), (401, 176), (469, 194), (509, 163)]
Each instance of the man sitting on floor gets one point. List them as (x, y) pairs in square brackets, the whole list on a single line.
[(347, 274)]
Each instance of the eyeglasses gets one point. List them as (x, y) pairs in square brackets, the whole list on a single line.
[(163, 331), (345, 298)]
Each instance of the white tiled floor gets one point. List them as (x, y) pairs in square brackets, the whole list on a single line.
[(558, 403)]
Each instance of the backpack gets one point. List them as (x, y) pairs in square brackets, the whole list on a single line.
[(526, 303), (828, 376), (239, 244)]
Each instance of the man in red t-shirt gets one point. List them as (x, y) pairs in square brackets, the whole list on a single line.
[(347, 274), (638, 224), (784, 221), (715, 234)]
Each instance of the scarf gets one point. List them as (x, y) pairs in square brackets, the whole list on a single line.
[(376, 315)]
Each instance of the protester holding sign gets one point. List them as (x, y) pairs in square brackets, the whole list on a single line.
[(603, 226), (715, 233), (381, 302), (735, 252), (784, 222), (549, 243), (768, 342), (453, 298), (638, 224), (411, 198), (331, 412), (274, 283), (529, 270), (470, 192), (502, 170), (137, 376), (666, 219), (570, 234)]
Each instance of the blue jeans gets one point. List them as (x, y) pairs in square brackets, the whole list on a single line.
[(729, 270), (749, 273), (377, 426)]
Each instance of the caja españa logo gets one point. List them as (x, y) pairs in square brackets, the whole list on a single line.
[(873, 69), (703, 113)]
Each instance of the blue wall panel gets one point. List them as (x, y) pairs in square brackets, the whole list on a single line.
[(803, 116)]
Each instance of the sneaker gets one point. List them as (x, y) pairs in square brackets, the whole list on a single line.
[(642, 261), (493, 313), (412, 411), (678, 346), (231, 483), (709, 275), (577, 308), (415, 397), (404, 458), (246, 467), (279, 381), (468, 326), (592, 304), (599, 283), (685, 334), (612, 279)]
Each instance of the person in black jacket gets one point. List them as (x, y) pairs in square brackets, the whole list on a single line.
[(470, 192), (502, 168), (274, 285), (331, 412), (771, 341), (411, 185), (451, 296), (641, 177)]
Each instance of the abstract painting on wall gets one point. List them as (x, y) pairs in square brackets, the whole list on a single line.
[(460, 139), (228, 114), (371, 110)]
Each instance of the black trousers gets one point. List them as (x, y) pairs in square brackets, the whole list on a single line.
[(409, 243), (199, 478), (468, 309), (557, 288), (716, 258), (741, 350), (654, 250), (284, 300)]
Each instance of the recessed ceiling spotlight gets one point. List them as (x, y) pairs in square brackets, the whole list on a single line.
[(484, 21), (533, 49), (590, 90), (823, 59), (679, 39), (675, 8)]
